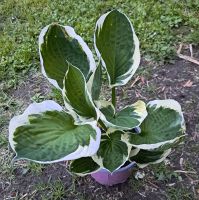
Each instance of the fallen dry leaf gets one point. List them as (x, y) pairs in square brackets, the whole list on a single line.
[(189, 83), (142, 79)]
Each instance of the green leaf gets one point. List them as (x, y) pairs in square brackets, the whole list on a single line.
[(45, 133), (117, 46), (164, 125), (60, 45), (95, 82), (145, 157), (113, 152), (84, 166), (127, 118), (76, 96)]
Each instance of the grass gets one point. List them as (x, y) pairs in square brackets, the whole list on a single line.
[(160, 26), (163, 173), (176, 193)]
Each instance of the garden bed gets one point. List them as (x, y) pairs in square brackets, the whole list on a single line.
[(176, 179)]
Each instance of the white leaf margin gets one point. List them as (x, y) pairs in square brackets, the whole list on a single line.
[(139, 109), (167, 103), (99, 159), (164, 155), (134, 152), (49, 105), (41, 41), (86, 173), (91, 79), (71, 32), (78, 118), (34, 108), (136, 56)]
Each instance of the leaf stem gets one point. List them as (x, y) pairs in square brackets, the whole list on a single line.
[(101, 123), (114, 97)]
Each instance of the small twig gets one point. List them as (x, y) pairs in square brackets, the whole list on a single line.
[(25, 195), (195, 181), (63, 164), (136, 79), (191, 50), (171, 184), (139, 95), (195, 136), (181, 162), (141, 194), (186, 172), (33, 193), (153, 184), (188, 58), (179, 49), (165, 94), (194, 191)]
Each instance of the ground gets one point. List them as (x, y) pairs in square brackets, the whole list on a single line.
[(21, 84), (176, 179)]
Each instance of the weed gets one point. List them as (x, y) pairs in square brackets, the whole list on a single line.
[(145, 72), (35, 167), (56, 94), (3, 140), (55, 190), (136, 184), (179, 193), (151, 88), (164, 173), (58, 190), (38, 97)]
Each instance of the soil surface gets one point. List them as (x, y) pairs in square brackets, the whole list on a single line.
[(176, 178)]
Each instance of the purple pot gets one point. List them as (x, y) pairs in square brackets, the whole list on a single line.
[(105, 177)]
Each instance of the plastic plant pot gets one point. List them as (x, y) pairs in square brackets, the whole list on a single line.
[(105, 177)]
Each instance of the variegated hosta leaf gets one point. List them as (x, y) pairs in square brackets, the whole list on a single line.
[(145, 157), (117, 46), (95, 82), (134, 151), (84, 166), (113, 152), (163, 126), (76, 96), (59, 45), (127, 118), (45, 133)]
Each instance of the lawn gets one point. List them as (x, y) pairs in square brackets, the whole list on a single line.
[(161, 26)]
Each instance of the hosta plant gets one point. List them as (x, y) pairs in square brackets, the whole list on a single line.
[(90, 132)]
